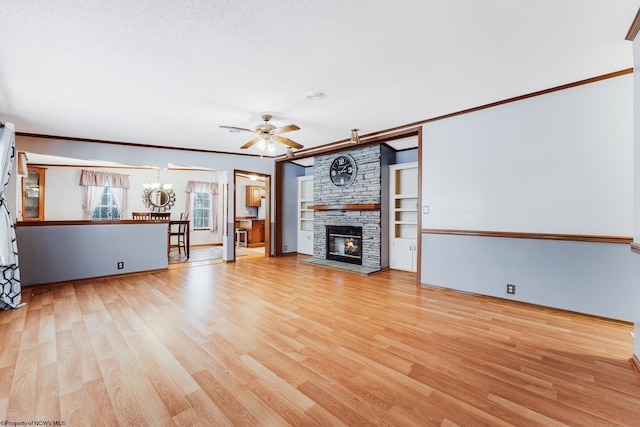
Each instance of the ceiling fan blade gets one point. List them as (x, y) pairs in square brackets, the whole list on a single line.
[(238, 129), (284, 129), (288, 142), (253, 141)]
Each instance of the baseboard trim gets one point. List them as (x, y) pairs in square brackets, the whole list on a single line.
[(87, 279)]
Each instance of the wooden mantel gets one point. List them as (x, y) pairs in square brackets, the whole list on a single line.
[(361, 207)]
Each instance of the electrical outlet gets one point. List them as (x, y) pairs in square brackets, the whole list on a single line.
[(511, 289), (286, 248), (120, 265)]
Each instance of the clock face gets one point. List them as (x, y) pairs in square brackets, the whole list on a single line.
[(343, 170)]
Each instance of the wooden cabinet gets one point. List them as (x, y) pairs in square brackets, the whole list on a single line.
[(403, 197), (255, 231), (256, 234), (305, 215), (33, 194), (254, 195)]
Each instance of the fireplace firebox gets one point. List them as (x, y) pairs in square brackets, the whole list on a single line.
[(344, 243)]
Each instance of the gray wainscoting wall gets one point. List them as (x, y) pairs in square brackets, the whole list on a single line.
[(586, 277), (57, 253)]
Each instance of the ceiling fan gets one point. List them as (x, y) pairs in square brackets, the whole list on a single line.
[(267, 133)]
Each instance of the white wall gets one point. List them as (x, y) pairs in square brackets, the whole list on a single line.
[(557, 163)]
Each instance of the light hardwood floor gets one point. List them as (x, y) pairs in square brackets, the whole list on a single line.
[(275, 341), (203, 255)]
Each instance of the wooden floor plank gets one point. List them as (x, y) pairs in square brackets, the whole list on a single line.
[(90, 406), (275, 341), (47, 396), (22, 399), (225, 399), (202, 412)]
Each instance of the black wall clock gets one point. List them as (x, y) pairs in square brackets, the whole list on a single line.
[(343, 170)]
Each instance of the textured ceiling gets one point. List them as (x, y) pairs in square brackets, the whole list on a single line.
[(169, 73)]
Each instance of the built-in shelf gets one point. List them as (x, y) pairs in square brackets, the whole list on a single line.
[(305, 215), (403, 216)]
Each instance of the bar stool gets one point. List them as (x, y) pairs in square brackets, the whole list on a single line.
[(241, 237), (178, 238)]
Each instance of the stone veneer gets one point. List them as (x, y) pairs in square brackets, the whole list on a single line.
[(367, 189)]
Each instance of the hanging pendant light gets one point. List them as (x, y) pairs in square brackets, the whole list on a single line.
[(355, 139)]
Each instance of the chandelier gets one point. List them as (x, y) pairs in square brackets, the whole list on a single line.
[(157, 185)]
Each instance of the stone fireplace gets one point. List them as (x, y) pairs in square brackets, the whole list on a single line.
[(363, 205)]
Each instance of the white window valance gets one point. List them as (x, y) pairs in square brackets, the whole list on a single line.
[(104, 179), (202, 187)]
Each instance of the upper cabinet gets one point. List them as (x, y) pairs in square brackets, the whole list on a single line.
[(254, 195), (33, 194)]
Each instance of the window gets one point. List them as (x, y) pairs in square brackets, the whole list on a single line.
[(106, 207), (201, 211)]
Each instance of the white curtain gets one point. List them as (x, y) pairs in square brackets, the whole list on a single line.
[(94, 183), (92, 196), (10, 292), (204, 187), (120, 197)]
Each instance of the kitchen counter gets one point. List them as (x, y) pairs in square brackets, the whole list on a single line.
[(255, 230)]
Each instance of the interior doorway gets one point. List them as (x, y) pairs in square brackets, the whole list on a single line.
[(252, 215)]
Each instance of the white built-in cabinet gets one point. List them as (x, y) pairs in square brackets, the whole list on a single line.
[(305, 215), (403, 216)]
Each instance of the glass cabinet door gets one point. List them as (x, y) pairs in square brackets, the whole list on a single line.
[(33, 195)]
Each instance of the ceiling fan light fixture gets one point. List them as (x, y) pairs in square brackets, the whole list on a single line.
[(355, 139), (268, 135)]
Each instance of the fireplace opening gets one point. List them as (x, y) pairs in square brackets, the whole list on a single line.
[(344, 243)]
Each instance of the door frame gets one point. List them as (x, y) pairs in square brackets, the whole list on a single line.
[(267, 208)]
